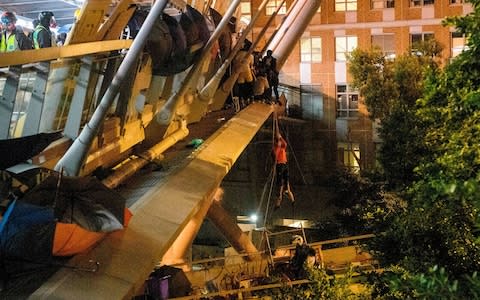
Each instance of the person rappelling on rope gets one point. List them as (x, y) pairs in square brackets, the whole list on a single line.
[(281, 166)]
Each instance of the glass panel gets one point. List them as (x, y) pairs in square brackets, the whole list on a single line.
[(352, 6), (353, 102), (352, 43), (340, 5)]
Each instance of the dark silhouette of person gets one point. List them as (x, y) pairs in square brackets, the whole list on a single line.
[(270, 65)]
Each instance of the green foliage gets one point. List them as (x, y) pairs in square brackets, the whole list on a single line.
[(398, 283), (431, 138), (321, 287)]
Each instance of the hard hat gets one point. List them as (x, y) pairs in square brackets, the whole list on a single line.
[(8, 18)]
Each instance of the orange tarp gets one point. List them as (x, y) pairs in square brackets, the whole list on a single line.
[(72, 239)]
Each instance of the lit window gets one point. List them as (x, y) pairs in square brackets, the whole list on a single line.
[(343, 46), (246, 12), (349, 155), (376, 4), (272, 7), (345, 5), (421, 2), (386, 44), (311, 49), (347, 102), (458, 43)]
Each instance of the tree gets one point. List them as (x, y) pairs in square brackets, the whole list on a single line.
[(440, 226)]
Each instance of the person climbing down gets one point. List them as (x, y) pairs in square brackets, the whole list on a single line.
[(281, 166)]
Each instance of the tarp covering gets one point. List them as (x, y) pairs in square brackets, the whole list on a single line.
[(17, 150), (26, 237), (62, 216), (84, 201)]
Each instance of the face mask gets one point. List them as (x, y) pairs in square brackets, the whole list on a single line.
[(53, 23)]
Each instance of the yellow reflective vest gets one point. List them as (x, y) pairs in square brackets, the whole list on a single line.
[(8, 44)]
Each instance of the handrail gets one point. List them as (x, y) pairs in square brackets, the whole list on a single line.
[(52, 53)]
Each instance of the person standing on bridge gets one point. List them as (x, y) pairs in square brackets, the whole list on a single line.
[(281, 166), (13, 38), (42, 36), (270, 65)]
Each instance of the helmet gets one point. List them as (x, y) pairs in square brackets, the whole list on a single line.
[(47, 19), (45, 15), (297, 240), (8, 18)]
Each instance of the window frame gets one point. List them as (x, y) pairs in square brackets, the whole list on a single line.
[(456, 50), (346, 5), (389, 53), (347, 95), (312, 54), (347, 157), (246, 13), (382, 4), (419, 3), (348, 49)]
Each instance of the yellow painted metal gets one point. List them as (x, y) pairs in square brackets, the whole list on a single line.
[(178, 251), (92, 16), (132, 166), (117, 21), (45, 54), (127, 257)]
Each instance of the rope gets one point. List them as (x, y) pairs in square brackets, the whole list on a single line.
[(271, 180), (295, 158)]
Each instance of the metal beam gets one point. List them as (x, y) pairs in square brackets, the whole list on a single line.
[(45, 54), (75, 156)]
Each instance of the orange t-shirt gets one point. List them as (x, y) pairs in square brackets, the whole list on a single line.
[(280, 151)]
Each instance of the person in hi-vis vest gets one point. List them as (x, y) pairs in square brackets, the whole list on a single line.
[(42, 36), (13, 38)]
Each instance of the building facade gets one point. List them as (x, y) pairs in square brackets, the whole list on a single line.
[(318, 64)]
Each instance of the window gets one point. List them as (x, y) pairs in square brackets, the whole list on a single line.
[(386, 43), (456, 1), (345, 5), (311, 49), (347, 102), (349, 155), (417, 38), (343, 46), (458, 43), (312, 102), (421, 2), (383, 4), (272, 7), (246, 12)]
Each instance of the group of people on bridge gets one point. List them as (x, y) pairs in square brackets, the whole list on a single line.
[(15, 38), (257, 77)]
